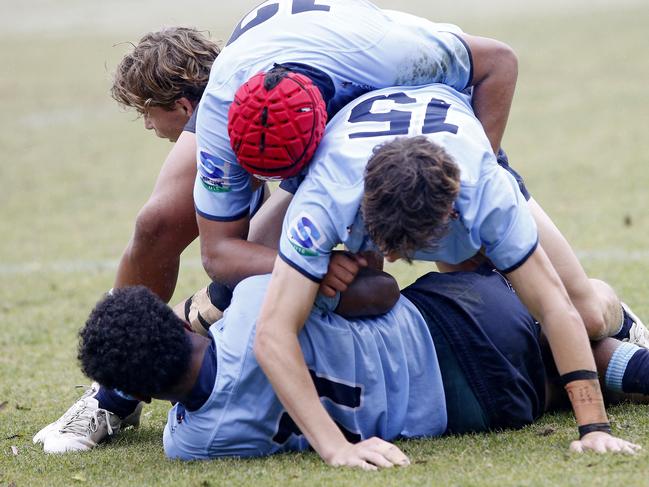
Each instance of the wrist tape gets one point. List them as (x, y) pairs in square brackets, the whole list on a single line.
[(586, 398), (589, 428), (206, 307)]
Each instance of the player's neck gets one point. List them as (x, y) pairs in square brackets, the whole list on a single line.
[(181, 391)]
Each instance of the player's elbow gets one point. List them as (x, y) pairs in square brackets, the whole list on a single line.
[(160, 230), (151, 225), (496, 60), (505, 61), (210, 264), (264, 346), (217, 265)]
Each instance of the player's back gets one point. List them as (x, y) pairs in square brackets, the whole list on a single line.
[(329, 199), (355, 44)]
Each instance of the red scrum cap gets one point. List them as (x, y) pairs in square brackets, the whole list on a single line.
[(276, 122)]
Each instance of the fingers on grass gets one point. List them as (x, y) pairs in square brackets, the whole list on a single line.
[(396, 456), (577, 446), (378, 459)]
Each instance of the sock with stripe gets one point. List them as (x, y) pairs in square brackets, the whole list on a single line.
[(115, 402)]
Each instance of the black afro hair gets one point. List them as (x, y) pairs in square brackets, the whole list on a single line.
[(134, 342)]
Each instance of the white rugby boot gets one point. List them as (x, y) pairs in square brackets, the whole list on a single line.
[(84, 425), (44, 432), (638, 334)]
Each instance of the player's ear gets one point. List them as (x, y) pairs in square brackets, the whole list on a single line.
[(186, 105)]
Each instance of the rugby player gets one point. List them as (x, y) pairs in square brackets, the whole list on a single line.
[(265, 140), (458, 352), (328, 52), (473, 197), (382, 49), (163, 79)]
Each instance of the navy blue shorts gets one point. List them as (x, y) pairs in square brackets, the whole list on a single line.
[(291, 184), (488, 349)]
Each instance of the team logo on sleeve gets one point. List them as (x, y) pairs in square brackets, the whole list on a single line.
[(214, 173), (305, 236)]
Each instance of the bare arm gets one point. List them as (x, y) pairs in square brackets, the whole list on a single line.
[(540, 289), (227, 256), (165, 225), (286, 307), (495, 70)]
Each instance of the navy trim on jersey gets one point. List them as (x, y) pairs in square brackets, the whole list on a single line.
[(468, 50), (523, 260), (291, 185), (204, 384), (223, 218), (503, 161), (318, 77), (260, 202), (309, 276)]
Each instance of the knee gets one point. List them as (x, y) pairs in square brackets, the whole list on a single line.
[(600, 310), (610, 304), (596, 325)]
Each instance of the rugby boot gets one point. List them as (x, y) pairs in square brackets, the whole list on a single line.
[(84, 425), (638, 334)]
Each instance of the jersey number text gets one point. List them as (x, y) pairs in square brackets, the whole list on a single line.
[(341, 395), (269, 10), (399, 120)]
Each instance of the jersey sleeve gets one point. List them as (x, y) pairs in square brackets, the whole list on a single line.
[(429, 52), (501, 218), (222, 190), (309, 232)]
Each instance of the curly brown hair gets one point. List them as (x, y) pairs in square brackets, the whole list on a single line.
[(166, 65), (410, 186)]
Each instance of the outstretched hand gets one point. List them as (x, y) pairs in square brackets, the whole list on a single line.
[(601, 442), (370, 454)]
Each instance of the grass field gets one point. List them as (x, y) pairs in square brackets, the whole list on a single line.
[(75, 169)]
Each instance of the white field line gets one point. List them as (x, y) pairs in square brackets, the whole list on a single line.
[(80, 266)]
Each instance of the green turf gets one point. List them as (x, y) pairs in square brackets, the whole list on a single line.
[(75, 170)]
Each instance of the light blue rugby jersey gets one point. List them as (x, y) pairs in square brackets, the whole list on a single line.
[(326, 208), (361, 48), (376, 377)]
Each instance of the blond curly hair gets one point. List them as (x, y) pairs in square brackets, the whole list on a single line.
[(164, 66)]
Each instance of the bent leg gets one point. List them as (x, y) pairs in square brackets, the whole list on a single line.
[(165, 226)]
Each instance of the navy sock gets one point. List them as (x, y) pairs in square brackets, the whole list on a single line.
[(110, 400), (636, 375), (625, 328)]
